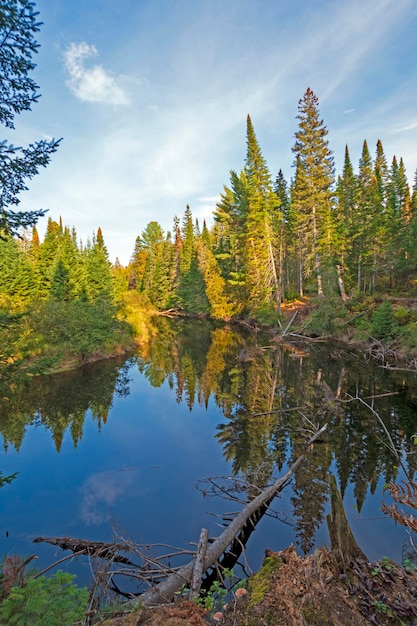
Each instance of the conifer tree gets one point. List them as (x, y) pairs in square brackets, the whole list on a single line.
[(398, 217), (228, 236), (413, 204), (281, 225), (18, 27), (346, 193), (311, 195), (366, 223), (381, 173), (191, 289), (262, 275), (99, 283)]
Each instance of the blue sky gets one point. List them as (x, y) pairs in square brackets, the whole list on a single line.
[(151, 99)]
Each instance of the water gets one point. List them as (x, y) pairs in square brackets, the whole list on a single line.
[(117, 449)]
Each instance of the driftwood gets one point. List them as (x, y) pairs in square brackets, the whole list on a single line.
[(164, 580), (199, 564), (99, 549), (165, 591)]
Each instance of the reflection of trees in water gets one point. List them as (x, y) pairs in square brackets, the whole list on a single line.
[(60, 402), (267, 395)]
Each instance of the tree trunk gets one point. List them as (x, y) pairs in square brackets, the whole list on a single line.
[(341, 284), (164, 591)]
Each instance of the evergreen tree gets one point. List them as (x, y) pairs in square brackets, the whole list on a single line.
[(366, 223), (60, 282), (18, 27), (17, 282), (280, 221), (413, 203), (346, 193), (191, 290), (381, 173), (262, 275), (312, 189), (48, 256), (99, 283), (398, 217), (228, 236)]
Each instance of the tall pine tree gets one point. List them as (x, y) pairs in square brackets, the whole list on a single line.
[(312, 190)]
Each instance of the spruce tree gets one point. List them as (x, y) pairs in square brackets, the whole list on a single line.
[(281, 225), (398, 218), (191, 290), (346, 193), (262, 275), (366, 223), (312, 191), (99, 279)]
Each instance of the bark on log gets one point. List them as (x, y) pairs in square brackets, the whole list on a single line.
[(165, 590), (91, 548), (199, 564)]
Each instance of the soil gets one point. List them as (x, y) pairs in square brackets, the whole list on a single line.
[(290, 590)]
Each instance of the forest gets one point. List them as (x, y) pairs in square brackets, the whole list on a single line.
[(273, 241), (347, 243)]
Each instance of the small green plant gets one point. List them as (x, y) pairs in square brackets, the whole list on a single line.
[(213, 598), (383, 564), (45, 602), (386, 563), (408, 565), (384, 323), (381, 606)]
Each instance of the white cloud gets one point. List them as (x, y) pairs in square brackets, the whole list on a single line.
[(100, 492), (91, 84)]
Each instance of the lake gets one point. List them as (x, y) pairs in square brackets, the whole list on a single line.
[(121, 447)]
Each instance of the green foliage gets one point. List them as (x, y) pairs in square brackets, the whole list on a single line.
[(383, 321), (324, 315), (213, 599), (45, 601), (311, 193), (79, 327), (18, 27)]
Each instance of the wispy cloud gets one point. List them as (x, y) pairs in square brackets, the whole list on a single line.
[(100, 492), (91, 84)]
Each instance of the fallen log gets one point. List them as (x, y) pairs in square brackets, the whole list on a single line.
[(99, 549), (166, 589), (166, 581)]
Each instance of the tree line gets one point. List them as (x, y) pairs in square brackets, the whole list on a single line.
[(274, 240), (58, 299)]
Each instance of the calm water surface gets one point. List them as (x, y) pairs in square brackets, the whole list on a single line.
[(119, 447)]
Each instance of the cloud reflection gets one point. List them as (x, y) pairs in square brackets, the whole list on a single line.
[(100, 493)]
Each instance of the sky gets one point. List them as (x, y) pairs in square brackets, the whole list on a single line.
[(151, 98)]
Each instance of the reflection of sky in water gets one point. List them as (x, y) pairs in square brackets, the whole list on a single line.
[(100, 492), (85, 492)]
